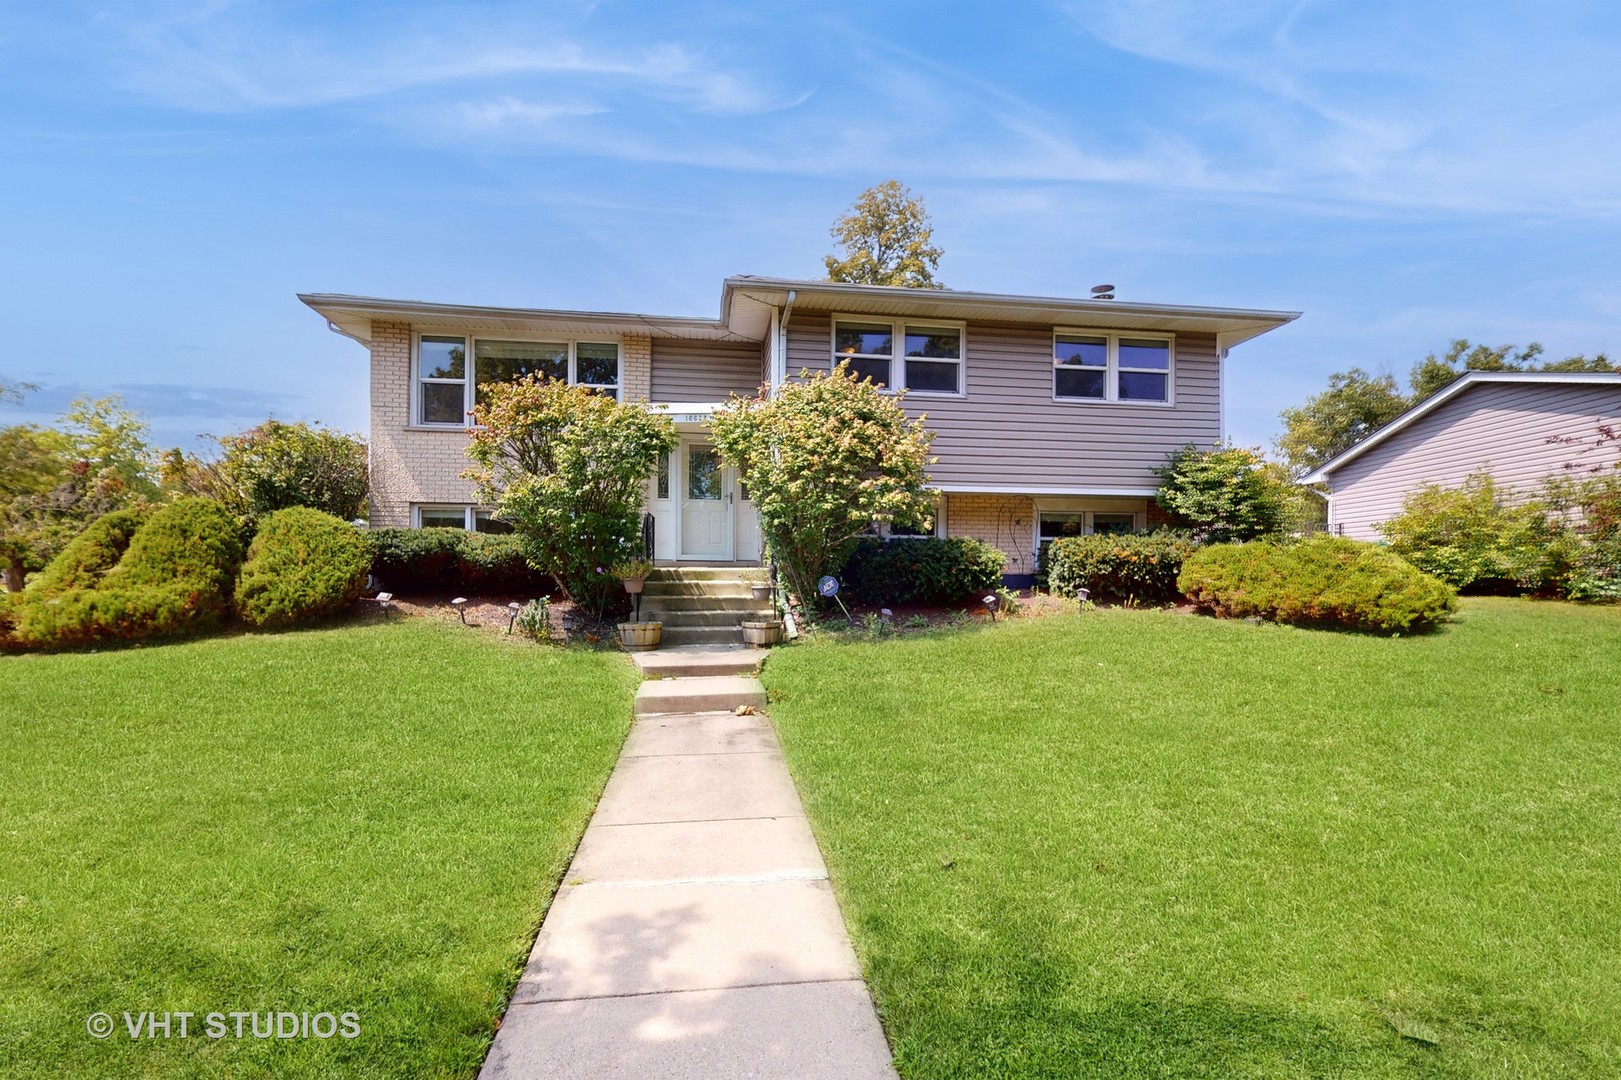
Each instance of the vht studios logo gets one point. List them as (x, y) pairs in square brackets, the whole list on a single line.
[(227, 1025)]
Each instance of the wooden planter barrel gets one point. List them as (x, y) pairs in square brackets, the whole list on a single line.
[(758, 635), (640, 635)]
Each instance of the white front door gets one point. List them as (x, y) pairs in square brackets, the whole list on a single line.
[(706, 503)]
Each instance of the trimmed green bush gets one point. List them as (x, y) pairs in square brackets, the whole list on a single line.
[(1139, 569), (1329, 581), (927, 570), (303, 565), (450, 560), (90, 555), (174, 578)]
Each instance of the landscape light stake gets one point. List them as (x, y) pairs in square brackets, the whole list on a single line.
[(990, 605), (512, 615), (460, 604)]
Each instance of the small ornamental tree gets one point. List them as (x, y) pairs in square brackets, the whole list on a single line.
[(823, 460), (1225, 494), (566, 467), (275, 466), (886, 240)]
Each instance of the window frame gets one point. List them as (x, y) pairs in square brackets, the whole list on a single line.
[(1086, 509), (897, 328), (1112, 369), (469, 378), (884, 530), (469, 511)]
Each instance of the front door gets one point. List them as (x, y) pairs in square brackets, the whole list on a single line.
[(706, 504)]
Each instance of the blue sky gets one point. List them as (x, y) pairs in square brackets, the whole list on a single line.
[(1404, 173)]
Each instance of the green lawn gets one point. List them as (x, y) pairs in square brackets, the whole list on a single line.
[(1149, 844), (367, 819)]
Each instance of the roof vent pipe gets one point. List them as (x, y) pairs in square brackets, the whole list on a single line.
[(1103, 292)]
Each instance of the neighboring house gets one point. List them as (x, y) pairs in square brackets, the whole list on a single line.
[(1049, 414), (1517, 425)]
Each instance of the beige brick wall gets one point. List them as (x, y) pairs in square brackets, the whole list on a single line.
[(1003, 521), (407, 466), (635, 368)]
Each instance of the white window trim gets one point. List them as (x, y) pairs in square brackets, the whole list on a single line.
[(469, 375), (1138, 517), (1111, 377), (898, 347), (468, 512)]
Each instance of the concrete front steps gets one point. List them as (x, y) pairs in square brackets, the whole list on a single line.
[(702, 605)]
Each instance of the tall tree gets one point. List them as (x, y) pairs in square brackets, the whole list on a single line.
[(1353, 407), (885, 238), (1433, 373)]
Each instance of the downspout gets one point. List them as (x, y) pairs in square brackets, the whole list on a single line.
[(781, 375)]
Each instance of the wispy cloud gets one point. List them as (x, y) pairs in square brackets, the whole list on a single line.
[(223, 58)]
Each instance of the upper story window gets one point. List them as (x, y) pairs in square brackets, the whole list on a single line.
[(449, 382), (1097, 366), (929, 359)]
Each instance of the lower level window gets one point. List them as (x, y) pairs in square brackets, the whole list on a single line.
[(467, 518), (1056, 524)]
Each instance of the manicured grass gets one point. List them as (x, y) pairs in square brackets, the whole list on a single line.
[(1148, 844), (367, 819)]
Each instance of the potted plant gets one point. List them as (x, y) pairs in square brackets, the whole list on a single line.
[(637, 635), (632, 573), (760, 589)]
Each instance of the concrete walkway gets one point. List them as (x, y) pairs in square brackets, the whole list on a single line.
[(695, 934)]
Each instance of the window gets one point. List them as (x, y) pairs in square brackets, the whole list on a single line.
[(933, 524), (1091, 366), (449, 385), (468, 518), (1054, 524), (930, 360)]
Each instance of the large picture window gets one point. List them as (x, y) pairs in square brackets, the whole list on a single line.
[(450, 381), (1096, 366), (928, 360)]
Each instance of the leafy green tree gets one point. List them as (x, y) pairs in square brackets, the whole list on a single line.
[(1225, 494), (885, 238), (55, 481), (105, 434), (1354, 406), (567, 468), (1432, 374), (275, 466), (823, 460)]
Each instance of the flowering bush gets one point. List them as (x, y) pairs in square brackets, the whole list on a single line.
[(566, 467), (1139, 569), (823, 460)]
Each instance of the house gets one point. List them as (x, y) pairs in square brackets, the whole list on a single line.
[(1049, 414), (1516, 425)]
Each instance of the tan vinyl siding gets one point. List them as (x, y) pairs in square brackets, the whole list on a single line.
[(1501, 426), (704, 370), (1008, 430)]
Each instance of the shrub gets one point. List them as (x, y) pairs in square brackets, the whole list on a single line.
[(303, 565), (275, 466), (535, 620), (823, 459), (567, 467), (1228, 493), (928, 570), (1139, 569), (91, 554), (175, 577), (1329, 581), (1479, 537), (450, 560)]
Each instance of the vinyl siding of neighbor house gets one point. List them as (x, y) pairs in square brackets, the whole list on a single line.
[(1503, 426), (1008, 431), (694, 371)]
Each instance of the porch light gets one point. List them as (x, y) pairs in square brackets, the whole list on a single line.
[(460, 604)]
